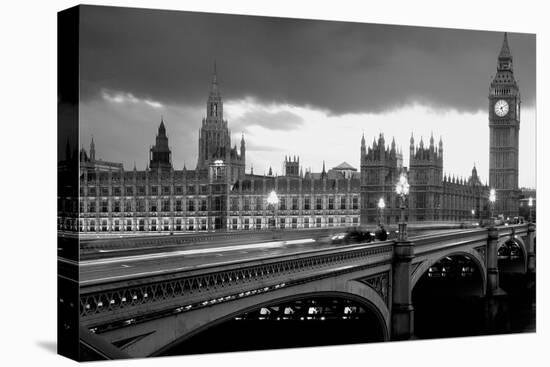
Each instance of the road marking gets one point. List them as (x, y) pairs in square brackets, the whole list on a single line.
[(125, 259), (125, 266)]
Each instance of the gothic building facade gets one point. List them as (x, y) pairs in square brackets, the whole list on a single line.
[(433, 196), (219, 195)]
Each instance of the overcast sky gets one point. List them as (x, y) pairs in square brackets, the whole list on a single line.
[(300, 87)]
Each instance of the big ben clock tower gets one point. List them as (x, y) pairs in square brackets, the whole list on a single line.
[(504, 118)]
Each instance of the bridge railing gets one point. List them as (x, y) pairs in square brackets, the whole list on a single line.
[(126, 301)]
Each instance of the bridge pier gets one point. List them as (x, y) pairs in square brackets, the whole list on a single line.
[(531, 262), (402, 313), (493, 288)]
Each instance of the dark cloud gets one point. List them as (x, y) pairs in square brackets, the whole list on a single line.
[(271, 120), (339, 67)]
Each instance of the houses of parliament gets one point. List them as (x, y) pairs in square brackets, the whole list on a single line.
[(219, 194)]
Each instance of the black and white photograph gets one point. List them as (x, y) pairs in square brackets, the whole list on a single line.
[(304, 182), (237, 183)]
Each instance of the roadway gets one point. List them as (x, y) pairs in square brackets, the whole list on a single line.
[(194, 256)]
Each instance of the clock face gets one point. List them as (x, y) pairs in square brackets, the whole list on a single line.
[(501, 108)]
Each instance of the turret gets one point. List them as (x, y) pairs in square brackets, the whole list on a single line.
[(381, 141), (243, 148), (291, 165), (160, 155), (92, 150), (411, 146)]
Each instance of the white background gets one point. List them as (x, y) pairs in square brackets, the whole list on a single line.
[(28, 147)]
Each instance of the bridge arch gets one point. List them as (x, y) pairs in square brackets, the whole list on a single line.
[(472, 254), (519, 241), (349, 290)]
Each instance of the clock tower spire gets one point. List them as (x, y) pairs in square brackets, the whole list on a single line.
[(504, 123)]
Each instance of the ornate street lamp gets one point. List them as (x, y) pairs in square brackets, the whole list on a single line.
[(272, 201), (492, 199), (381, 206), (402, 189), (530, 204)]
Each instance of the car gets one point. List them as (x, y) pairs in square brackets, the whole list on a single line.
[(381, 234), (352, 235)]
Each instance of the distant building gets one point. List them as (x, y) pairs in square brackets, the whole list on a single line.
[(528, 203), (219, 195), (433, 196)]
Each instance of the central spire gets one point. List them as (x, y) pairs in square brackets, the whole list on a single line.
[(214, 87), (505, 49), (214, 104), (505, 57)]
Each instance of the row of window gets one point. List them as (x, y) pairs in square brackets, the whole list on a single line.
[(165, 205), (192, 224), (141, 190), (293, 203)]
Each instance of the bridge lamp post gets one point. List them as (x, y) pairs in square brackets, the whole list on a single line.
[(473, 215), (402, 189), (530, 204), (381, 206), (272, 201), (492, 199)]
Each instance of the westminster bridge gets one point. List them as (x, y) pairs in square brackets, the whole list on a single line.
[(139, 306)]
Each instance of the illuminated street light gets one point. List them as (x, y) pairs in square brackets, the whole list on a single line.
[(402, 189), (381, 206), (492, 199), (272, 199)]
